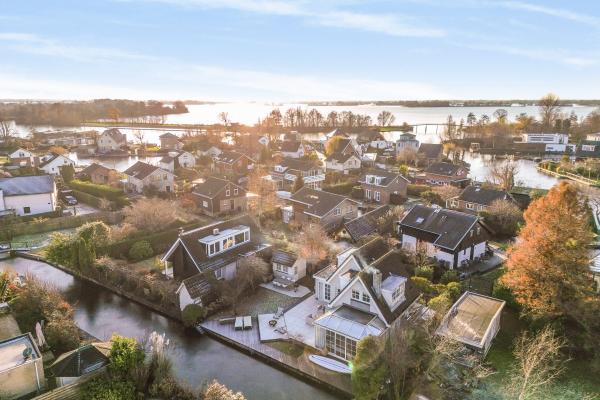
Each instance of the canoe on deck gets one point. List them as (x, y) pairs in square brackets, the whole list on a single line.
[(330, 364)]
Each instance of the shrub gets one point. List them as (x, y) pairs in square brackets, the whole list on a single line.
[(424, 285), (424, 271), (344, 188), (453, 289), (449, 276), (108, 389), (104, 191), (125, 355), (62, 335), (416, 190), (141, 250), (432, 197), (192, 314), (501, 292), (440, 304)]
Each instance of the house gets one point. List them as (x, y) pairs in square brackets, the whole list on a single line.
[(367, 224), (443, 173), (285, 173), (343, 163), (28, 195), (111, 140), (451, 237), (217, 196), (430, 152), (20, 153), (177, 159), (473, 320), (593, 137), (52, 163), (99, 174), (329, 210), (169, 141), (292, 149), (212, 249), (366, 290), (383, 187), (288, 268), (231, 162), (21, 367), (208, 150), (84, 361), (475, 198), (407, 141), (23, 158), (142, 176), (554, 142)]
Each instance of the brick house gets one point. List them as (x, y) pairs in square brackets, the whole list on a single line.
[(329, 210), (99, 174), (232, 162), (219, 196), (475, 198), (443, 173), (379, 185)]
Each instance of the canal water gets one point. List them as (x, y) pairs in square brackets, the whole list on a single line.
[(196, 358)]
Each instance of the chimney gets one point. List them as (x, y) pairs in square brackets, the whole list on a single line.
[(216, 231), (376, 275), (180, 231)]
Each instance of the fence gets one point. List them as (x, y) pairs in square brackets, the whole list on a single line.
[(52, 224)]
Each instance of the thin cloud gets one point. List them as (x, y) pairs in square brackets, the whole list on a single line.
[(550, 11), (312, 12)]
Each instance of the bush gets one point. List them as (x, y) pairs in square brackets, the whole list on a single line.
[(62, 335), (108, 389), (432, 197), (344, 188), (501, 292), (193, 314), (141, 250), (424, 285), (453, 289), (424, 271), (449, 276), (104, 191), (125, 355)]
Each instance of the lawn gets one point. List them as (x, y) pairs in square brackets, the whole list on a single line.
[(263, 301), (483, 284), (39, 240), (577, 382), (290, 348)]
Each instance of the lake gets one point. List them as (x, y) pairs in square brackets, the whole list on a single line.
[(196, 358)]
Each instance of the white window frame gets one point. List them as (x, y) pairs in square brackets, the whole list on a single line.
[(368, 194), (227, 193), (377, 196), (366, 298), (337, 211), (355, 295), (235, 191)]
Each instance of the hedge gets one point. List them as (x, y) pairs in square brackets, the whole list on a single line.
[(103, 191), (340, 188), (416, 190)]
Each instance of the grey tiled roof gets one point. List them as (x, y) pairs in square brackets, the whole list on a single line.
[(319, 202), (449, 226), (430, 150), (480, 195), (366, 224), (94, 167), (212, 186), (443, 168), (140, 170), (23, 185), (284, 257), (387, 175)]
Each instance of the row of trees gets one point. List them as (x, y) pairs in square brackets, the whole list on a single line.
[(74, 113), (301, 118)]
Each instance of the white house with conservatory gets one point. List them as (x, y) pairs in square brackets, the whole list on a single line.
[(363, 293)]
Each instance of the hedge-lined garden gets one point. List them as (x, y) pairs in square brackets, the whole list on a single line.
[(81, 188)]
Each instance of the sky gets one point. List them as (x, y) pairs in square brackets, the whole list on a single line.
[(283, 50)]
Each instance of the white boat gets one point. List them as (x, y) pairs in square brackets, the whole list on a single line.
[(330, 364)]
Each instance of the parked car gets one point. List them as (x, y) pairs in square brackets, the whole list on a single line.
[(68, 197), (70, 200)]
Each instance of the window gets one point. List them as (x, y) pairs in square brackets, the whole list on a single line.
[(366, 298), (340, 345), (337, 211), (470, 206), (355, 294), (377, 196), (283, 269), (368, 194), (227, 243), (235, 191), (398, 292), (239, 238), (227, 192), (205, 204), (219, 273), (26, 210), (327, 292)]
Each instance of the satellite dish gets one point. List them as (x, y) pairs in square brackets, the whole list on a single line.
[(27, 353)]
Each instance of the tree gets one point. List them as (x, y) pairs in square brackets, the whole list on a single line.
[(224, 119), (193, 314), (141, 250), (385, 118), (369, 371), (57, 150), (446, 192), (538, 362), (503, 174), (547, 268), (151, 215), (471, 119), (333, 145), (140, 136), (6, 130), (504, 217), (125, 355), (525, 122), (252, 270), (549, 106), (67, 172), (298, 184), (431, 197), (264, 190), (218, 391), (313, 244)]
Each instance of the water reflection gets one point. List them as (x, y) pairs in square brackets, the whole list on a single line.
[(196, 358)]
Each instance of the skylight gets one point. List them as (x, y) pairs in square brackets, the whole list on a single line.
[(420, 219)]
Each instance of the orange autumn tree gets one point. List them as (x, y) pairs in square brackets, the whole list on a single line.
[(547, 270)]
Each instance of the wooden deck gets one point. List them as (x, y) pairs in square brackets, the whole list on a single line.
[(249, 342)]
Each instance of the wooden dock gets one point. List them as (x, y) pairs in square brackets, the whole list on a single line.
[(249, 342)]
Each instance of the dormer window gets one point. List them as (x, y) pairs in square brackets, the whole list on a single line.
[(235, 191), (355, 295), (227, 192), (221, 241), (366, 298)]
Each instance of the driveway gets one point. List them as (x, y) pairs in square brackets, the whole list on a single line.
[(81, 209)]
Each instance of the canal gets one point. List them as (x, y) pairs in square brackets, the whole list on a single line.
[(196, 358)]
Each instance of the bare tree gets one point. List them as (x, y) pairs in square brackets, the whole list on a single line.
[(549, 110), (408, 155), (385, 118), (252, 270), (503, 174), (224, 118), (140, 136), (5, 129), (538, 362), (264, 189), (313, 244)]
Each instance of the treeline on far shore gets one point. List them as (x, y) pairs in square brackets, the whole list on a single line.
[(455, 103), (77, 112)]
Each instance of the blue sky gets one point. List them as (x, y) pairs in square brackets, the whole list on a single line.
[(280, 50)]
